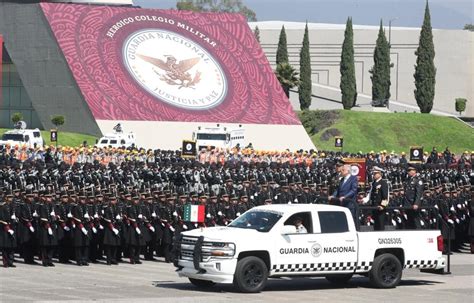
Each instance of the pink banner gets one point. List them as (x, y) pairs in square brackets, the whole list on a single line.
[(168, 65)]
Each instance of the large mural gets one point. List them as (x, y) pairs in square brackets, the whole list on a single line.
[(168, 65)]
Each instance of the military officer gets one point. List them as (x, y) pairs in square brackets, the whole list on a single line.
[(413, 195), (379, 197)]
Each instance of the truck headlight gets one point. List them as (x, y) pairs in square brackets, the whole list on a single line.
[(218, 249)]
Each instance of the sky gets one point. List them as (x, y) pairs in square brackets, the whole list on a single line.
[(445, 14)]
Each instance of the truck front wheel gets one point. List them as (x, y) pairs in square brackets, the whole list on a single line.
[(386, 271), (201, 283), (251, 275)]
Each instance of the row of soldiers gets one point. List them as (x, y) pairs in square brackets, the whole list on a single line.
[(418, 205), (135, 209)]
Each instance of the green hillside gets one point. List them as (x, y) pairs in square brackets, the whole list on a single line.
[(65, 138), (366, 131)]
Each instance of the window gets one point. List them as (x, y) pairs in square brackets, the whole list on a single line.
[(27, 138), (211, 137), (305, 217), (36, 134), (12, 137), (122, 141), (333, 222), (259, 220), (113, 141), (104, 141)]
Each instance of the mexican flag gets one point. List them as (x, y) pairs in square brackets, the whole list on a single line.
[(194, 213)]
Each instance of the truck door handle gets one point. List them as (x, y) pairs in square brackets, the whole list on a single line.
[(312, 241), (350, 240)]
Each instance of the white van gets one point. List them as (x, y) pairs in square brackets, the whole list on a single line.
[(20, 136), (117, 139), (219, 137)]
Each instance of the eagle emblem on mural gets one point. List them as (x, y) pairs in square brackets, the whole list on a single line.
[(173, 72)]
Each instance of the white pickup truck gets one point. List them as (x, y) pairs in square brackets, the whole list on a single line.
[(264, 242)]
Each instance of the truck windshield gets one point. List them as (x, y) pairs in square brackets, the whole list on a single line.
[(12, 137), (221, 137), (261, 221)]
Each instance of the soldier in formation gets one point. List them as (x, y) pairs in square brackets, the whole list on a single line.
[(131, 208)]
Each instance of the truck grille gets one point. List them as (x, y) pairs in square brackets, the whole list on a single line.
[(187, 246)]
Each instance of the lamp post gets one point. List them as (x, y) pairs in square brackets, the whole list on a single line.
[(390, 31)]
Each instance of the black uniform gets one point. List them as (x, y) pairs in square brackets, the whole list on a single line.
[(47, 233), (413, 194), (379, 197), (26, 231), (81, 233), (111, 239), (7, 234)]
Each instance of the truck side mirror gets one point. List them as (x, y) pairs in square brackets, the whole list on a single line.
[(288, 230)]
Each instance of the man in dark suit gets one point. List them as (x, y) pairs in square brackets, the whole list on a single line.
[(346, 193)]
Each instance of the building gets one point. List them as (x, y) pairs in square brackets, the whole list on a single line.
[(161, 73), (454, 61)]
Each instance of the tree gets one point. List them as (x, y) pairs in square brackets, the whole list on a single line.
[(425, 70), (282, 51), (225, 6), (305, 73), (187, 6), (460, 105), (288, 77), (17, 117), (381, 69), (256, 33), (57, 120), (347, 68), (469, 27)]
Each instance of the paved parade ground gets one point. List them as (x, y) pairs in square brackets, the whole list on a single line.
[(157, 282)]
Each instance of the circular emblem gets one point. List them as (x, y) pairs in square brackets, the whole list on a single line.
[(354, 170), (316, 250), (174, 69), (189, 146), (416, 153)]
